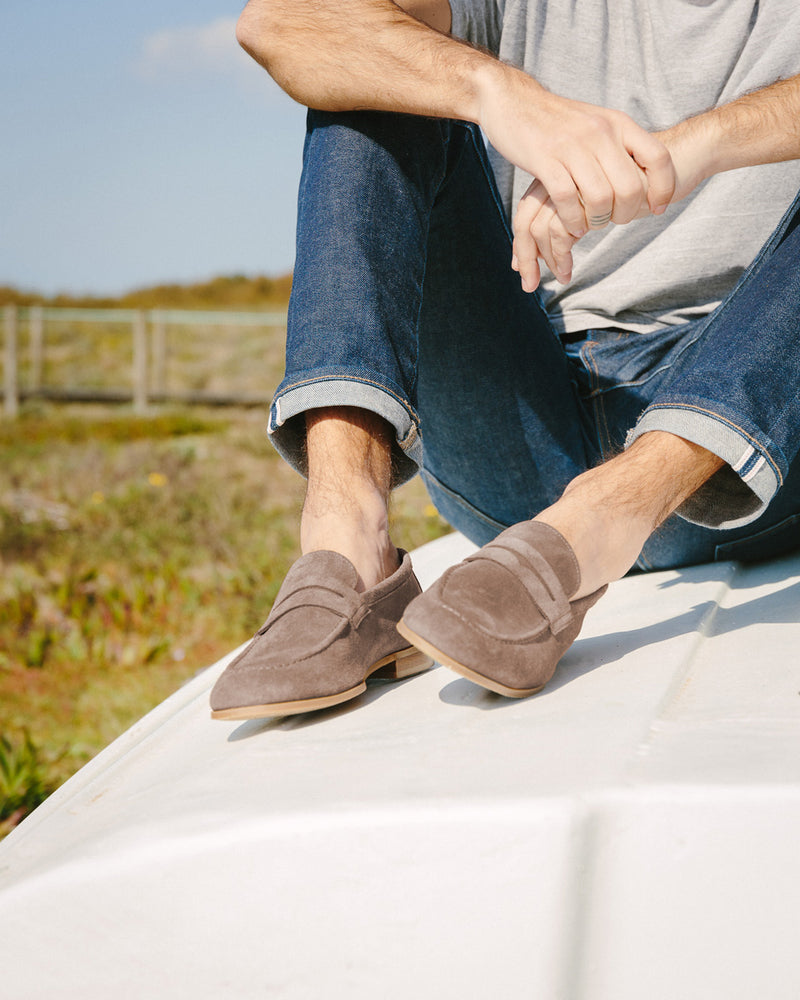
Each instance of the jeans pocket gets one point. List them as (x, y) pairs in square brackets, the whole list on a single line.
[(770, 543)]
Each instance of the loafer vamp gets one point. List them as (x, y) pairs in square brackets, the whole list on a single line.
[(514, 663), (322, 638), (504, 613), (492, 601), (263, 676), (302, 633)]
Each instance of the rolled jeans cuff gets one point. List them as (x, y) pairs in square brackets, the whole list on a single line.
[(741, 490), (288, 433)]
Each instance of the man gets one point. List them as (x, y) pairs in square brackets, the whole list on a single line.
[(629, 377)]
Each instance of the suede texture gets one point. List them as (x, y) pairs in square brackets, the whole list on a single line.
[(504, 613), (321, 637)]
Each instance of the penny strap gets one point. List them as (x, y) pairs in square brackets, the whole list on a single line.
[(315, 595), (535, 574)]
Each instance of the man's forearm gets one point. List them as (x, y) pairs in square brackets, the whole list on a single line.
[(364, 54), (761, 127), (340, 55)]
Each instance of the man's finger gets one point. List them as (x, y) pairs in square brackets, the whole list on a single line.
[(564, 194), (653, 157), (629, 184), (596, 194), (561, 243), (525, 250), (524, 260), (553, 241)]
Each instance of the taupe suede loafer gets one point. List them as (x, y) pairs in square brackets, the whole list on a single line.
[(321, 642), (503, 617)]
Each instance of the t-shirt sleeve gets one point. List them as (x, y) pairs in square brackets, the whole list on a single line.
[(478, 21)]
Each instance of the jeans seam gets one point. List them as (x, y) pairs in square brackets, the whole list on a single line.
[(350, 378), (765, 251), (491, 180), (600, 418), (601, 421), (462, 501), (445, 130), (447, 140), (592, 365), (765, 533), (634, 382), (777, 419), (488, 173)]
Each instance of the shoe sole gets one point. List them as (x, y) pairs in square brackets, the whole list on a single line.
[(441, 657), (395, 666)]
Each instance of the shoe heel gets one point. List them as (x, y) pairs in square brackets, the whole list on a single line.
[(408, 662)]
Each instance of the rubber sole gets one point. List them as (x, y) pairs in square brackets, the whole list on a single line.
[(441, 657), (395, 666)]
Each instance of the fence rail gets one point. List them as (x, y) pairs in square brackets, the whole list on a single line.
[(140, 356)]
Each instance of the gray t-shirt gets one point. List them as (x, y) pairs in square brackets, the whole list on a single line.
[(660, 61)]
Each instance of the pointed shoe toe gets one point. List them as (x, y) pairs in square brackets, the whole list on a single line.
[(321, 642)]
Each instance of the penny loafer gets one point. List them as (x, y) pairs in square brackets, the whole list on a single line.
[(321, 641), (503, 617)]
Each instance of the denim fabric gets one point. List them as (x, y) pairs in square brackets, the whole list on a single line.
[(404, 303)]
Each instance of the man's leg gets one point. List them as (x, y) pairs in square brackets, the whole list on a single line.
[(608, 513), (718, 441), (505, 616), (381, 345), (349, 479), (404, 306), (729, 384)]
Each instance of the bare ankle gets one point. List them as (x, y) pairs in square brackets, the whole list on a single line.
[(359, 534), (608, 513), (349, 478)]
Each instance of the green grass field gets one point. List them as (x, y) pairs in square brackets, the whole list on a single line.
[(133, 553)]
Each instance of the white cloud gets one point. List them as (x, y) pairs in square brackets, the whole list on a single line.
[(199, 48), (200, 51)]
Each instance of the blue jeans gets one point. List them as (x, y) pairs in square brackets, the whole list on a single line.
[(404, 304)]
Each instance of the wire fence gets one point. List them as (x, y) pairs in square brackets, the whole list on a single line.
[(140, 356)]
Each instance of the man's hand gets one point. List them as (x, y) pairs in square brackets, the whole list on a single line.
[(539, 232), (760, 127), (352, 54), (592, 165), (588, 158)]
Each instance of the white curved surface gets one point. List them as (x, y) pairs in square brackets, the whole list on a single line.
[(629, 833)]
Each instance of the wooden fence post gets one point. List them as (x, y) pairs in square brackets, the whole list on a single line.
[(36, 346), (10, 381), (159, 330), (139, 363)]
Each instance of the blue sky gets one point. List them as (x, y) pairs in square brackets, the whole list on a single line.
[(139, 145)]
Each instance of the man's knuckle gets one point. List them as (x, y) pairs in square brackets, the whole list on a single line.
[(629, 191), (562, 192), (599, 206), (598, 126), (540, 235), (660, 159)]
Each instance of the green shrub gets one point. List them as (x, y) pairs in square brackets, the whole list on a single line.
[(23, 782)]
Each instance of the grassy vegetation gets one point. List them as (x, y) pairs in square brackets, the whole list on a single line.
[(236, 291), (136, 551), (218, 360), (133, 552)]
